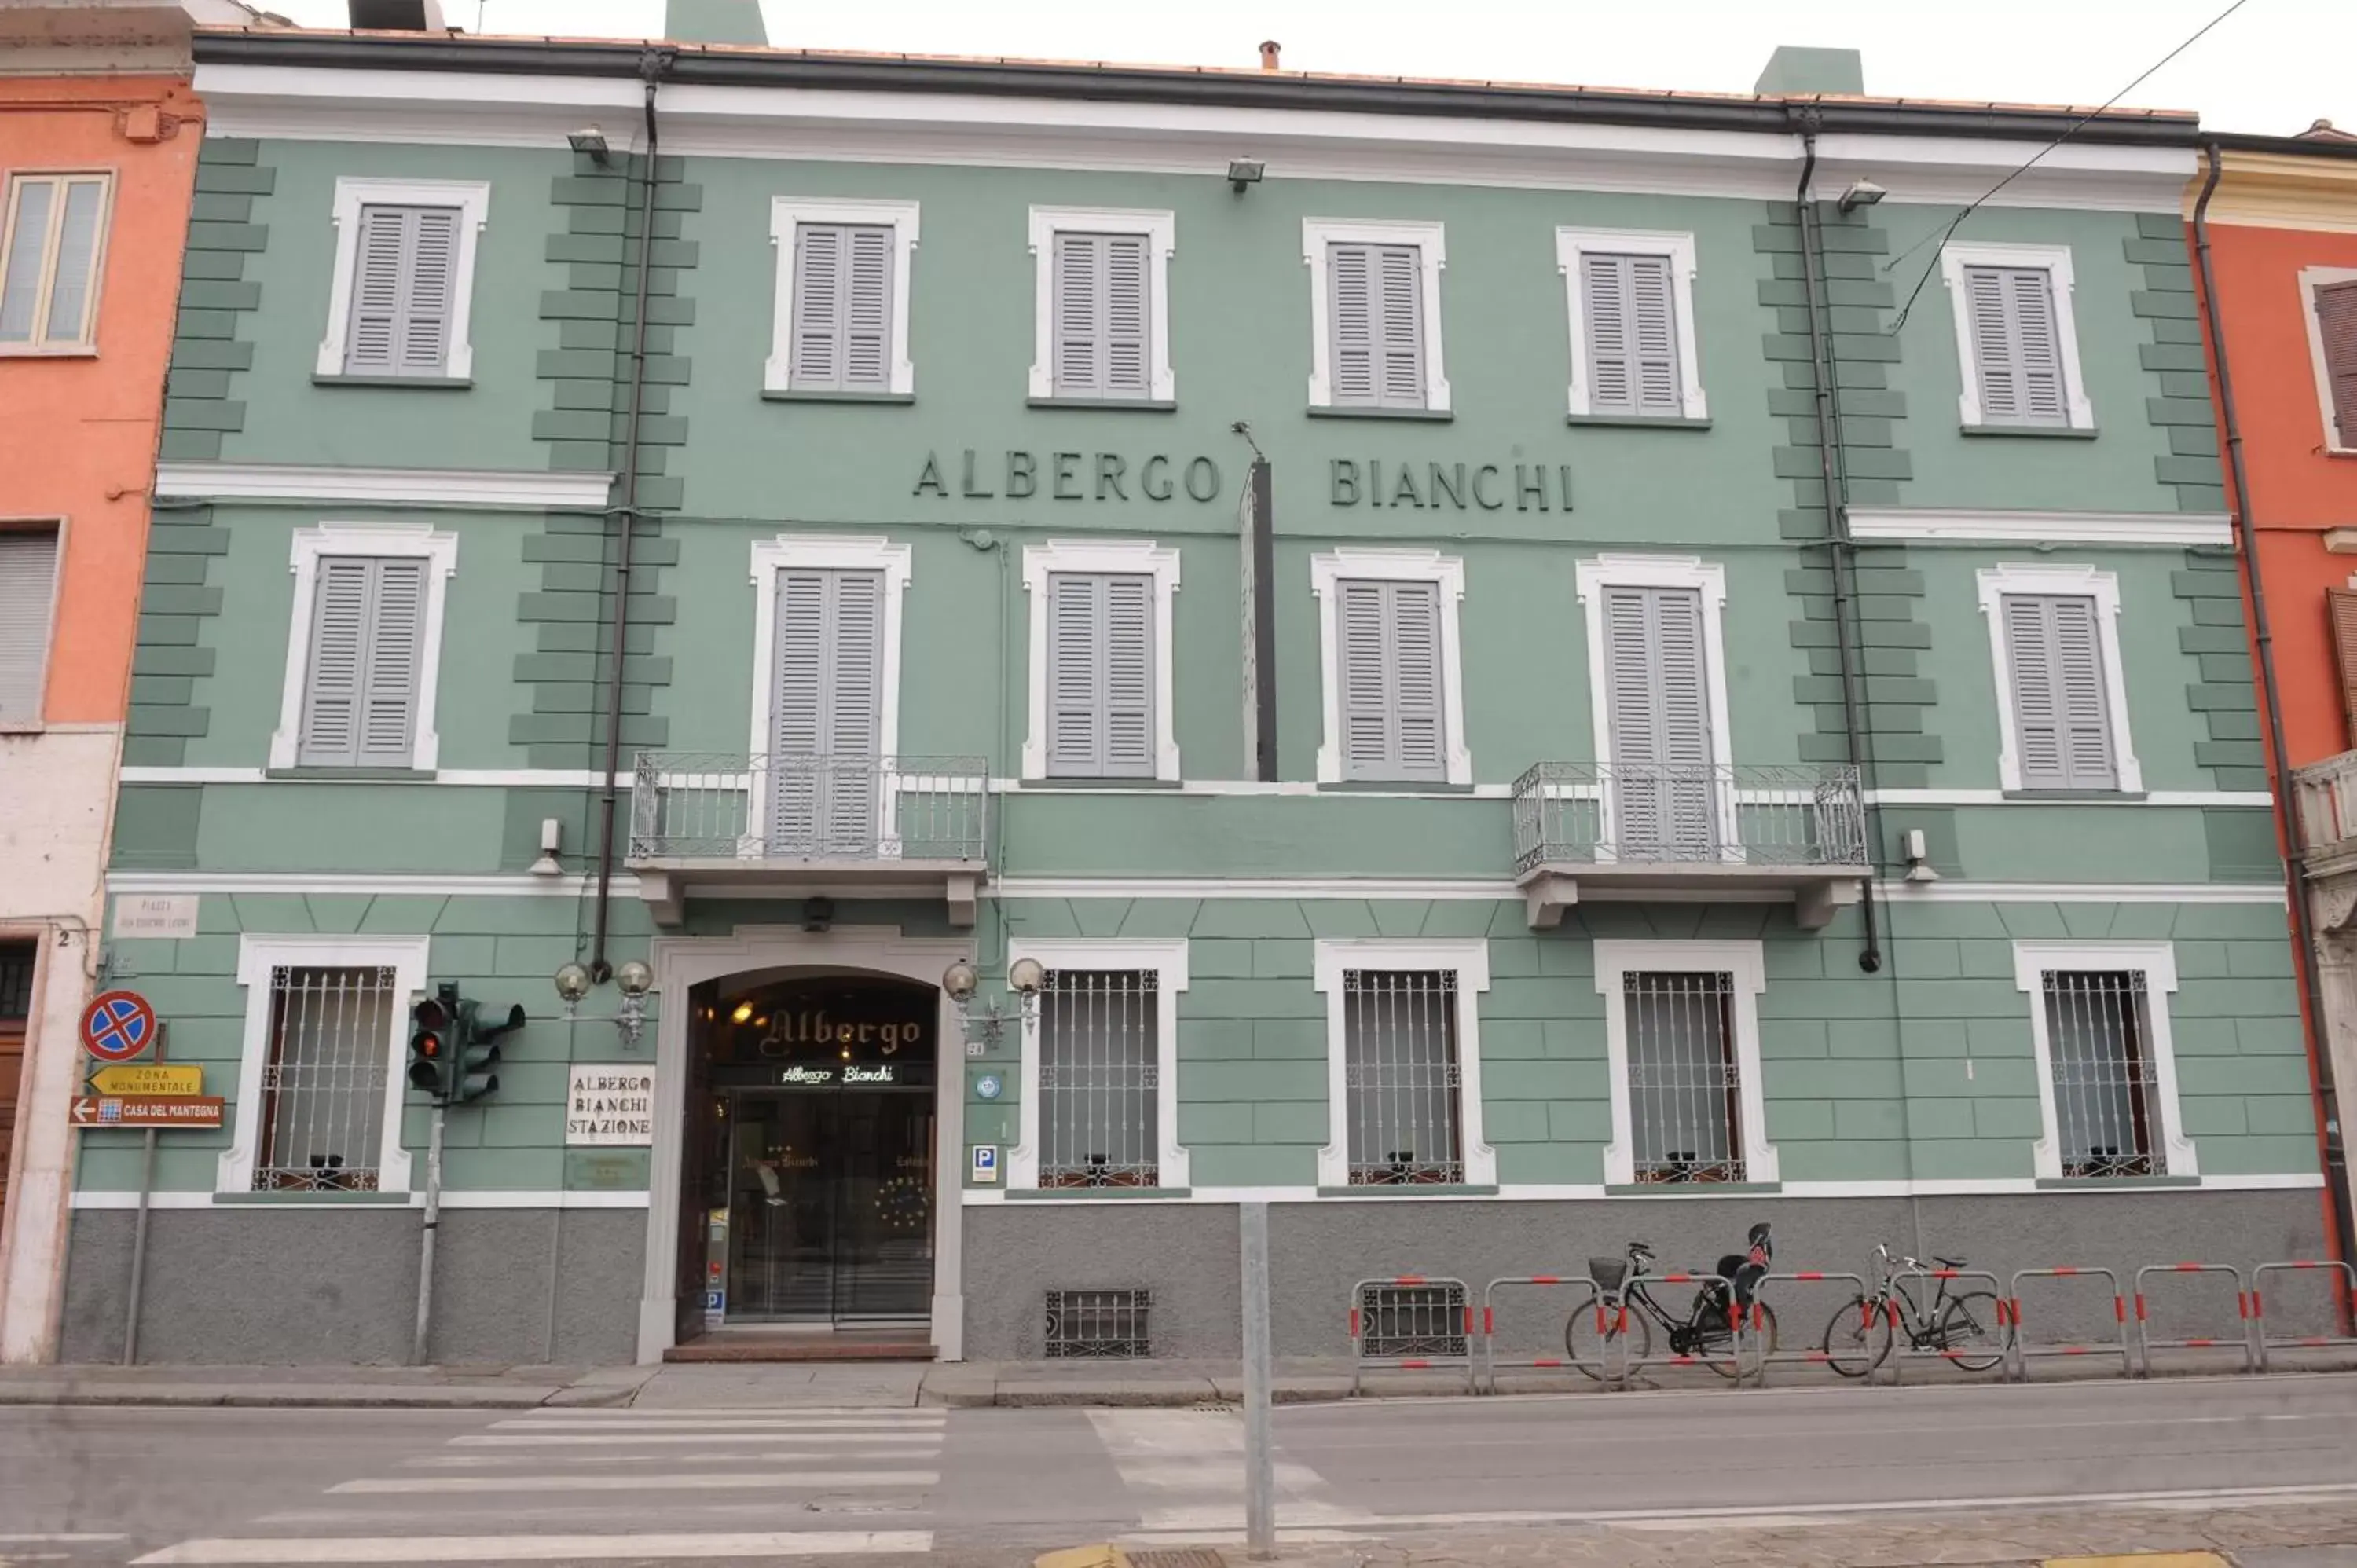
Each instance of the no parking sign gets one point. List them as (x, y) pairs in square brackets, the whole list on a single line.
[(117, 1026)]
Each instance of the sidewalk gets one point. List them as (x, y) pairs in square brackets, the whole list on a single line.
[(886, 1385)]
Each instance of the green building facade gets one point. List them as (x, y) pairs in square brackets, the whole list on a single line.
[(1352, 656)]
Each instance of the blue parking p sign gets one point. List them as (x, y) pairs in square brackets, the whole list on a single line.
[(986, 1163)]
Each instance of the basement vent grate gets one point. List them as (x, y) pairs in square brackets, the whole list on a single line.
[(1183, 1557), (1401, 1321), (1098, 1323)]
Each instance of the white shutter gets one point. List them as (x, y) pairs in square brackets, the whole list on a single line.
[(1656, 335), (818, 306), (370, 345), (29, 575), (388, 718), (433, 277), (826, 712), (1350, 288), (1393, 724), (1129, 677), (867, 312), (1075, 712), (404, 289), (1612, 364), (1658, 696), (1402, 301), (341, 599), (1079, 329), (1125, 318), (1364, 676), (2061, 713), (1421, 750), (2016, 346), (2030, 297)]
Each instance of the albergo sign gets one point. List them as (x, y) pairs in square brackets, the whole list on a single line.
[(1069, 476)]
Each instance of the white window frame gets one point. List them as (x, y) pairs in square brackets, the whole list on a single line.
[(1595, 574), (2024, 577), (2157, 961), (2055, 262), (1446, 573), (1746, 963), (256, 957), (473, 200), (59, 527), (1430, 238), (826, 552), (1168, 959), (46, 281), (1468, 957), (407, 540), (1132, 557), (2311, 280), (1160, 228), (1572, 245), (788, 213)]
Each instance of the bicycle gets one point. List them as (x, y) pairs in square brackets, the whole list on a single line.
[(1960, 1326), (1624, 1310)]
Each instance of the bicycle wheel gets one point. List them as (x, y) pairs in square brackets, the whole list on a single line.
[(1857, 1340), (1967, 1331), (1726, 1353), (1624, 1331)]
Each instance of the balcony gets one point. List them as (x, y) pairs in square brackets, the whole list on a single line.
[(802, 825), (1615, 829), (2326, 796)]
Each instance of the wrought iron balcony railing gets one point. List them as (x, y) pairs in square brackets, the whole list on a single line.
[(1716, 815), (711, 806)]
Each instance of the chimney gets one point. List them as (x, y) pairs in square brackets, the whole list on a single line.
[(715, 22), (1268, 52), (1795, 72), (397, 16)]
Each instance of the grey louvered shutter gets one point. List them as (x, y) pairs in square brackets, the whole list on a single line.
[(1100, 676), (1401, 297), (1100, 334), (2016, 346), (1632, 341), (1078, 331), (868, 311), (1350, 288), (818, 306), (29, 575), (404, 287), (1394, 726), (1126, 317), (1375, 297), (843, 307), (360, 700), (2060, 712), (2336, 325), (827, 715), (1663, 769)]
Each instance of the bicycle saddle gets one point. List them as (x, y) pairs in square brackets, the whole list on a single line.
[(1950, 1262)]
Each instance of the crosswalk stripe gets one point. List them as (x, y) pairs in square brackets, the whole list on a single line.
[(798, 1480), (799, 1412), (719, 1454), (610, 1439), (541, 1548), (720, 1423)]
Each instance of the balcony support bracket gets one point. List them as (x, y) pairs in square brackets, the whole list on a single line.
[(1546, 897), (665, 899), (961, 893)]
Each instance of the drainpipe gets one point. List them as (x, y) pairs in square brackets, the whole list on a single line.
[(1841, 555), (653, 64), (2246, 534)]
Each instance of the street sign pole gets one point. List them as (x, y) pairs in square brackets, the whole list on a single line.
[(425, 1241), (1260, 1469), (139, 1226)]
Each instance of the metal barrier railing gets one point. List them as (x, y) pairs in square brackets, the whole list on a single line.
[(1635, 1326), (1607, 1310), (1755, 1322), (2019, 1351), (1426, 1324), (2147, 1344), (2261, 1341), (1903, 1348)]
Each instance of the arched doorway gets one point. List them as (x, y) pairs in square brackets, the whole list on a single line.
[(808, 1160)]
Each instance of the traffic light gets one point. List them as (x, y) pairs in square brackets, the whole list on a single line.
[(471, 1077), (433, 1042)]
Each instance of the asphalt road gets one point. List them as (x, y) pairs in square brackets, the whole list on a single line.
[(113, 1486)]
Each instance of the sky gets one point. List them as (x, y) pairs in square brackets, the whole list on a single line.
[(2273, 67)]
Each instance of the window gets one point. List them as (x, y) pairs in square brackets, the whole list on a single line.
[(841, 327), (1375, 299), (1682, 1033), (1393, 694), (327, 1020), (363, 657), (1630, 298), (2331, 295), (51, 249), (1102, 676), (2016, 341), (2061, 709), (1656, 654), (402, 299), (2107, 1072), (1100, 1096), (1403, 1077), (1103, 308), (28, 585)]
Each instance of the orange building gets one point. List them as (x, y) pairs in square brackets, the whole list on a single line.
[(2275, 235), (99, 137)]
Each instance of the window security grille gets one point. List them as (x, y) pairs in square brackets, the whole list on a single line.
[(2107, 1090), (1685, 1102), (16, 981), (1401, 1076), (1098, 1075), (1099, 1324), (323, 1088), (1411, 1320)]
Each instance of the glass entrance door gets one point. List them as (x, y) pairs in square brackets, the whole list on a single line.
[(830, 1204)]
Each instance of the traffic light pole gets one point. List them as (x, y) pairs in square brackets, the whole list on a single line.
[(425, 1241)]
